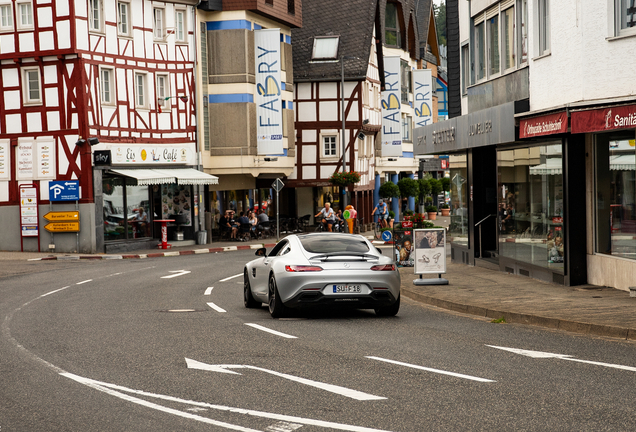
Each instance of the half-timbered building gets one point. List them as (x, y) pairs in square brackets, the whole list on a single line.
[(100, 92), (350, 50)]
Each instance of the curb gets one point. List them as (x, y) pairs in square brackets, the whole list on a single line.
[(528, 319), (158, 254)]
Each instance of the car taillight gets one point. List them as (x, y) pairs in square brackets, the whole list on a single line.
[(385, 267), (302, 268)]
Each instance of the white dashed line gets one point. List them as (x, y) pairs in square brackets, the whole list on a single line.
[(83, 282), (208, 291), (431, 370), (216, 308), (231, 277), (274, 332)]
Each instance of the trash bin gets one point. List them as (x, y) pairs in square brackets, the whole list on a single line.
[(202, 237)]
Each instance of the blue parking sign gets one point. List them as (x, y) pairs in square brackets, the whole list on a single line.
[(65, 190)]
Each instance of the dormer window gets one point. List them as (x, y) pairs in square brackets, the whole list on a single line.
[(392, 26), (325, 48)]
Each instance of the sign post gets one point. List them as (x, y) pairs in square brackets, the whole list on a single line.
[(29, 213), (278, 186), (430, 255)]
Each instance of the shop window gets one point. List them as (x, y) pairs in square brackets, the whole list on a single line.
[(458, 228), (625, 17), (127, 212), (493, 45), (616, 195), (530, 197), (392, 26)]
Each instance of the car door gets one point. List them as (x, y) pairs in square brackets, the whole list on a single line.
[(262, 268)]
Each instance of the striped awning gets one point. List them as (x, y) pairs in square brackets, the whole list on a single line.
[(182, 176), (190, 176)]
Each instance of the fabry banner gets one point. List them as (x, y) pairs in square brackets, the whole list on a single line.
[(423, 97), (269, 116), (391, 108)]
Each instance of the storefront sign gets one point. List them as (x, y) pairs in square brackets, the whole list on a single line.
[(430, 251), (598, 120), (5, 160), (431, 165), (391, 108), (150, 154), (102, 157), (423, 96), (269, 123), (544, 125)]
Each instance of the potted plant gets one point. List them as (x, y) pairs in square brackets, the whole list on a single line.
[(445, 210), (431, 211), (424, 192), (408, 188)]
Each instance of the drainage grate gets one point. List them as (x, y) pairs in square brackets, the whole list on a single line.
[(524, 272)]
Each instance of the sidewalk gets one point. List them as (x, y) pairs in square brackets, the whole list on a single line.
[(472, 290)]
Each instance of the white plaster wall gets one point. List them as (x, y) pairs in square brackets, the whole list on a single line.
[(584, 63)]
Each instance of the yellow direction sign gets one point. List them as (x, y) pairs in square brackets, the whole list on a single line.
[(62, 227), (55, 216)]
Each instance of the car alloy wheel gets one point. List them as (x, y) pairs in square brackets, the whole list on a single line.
[(248, 298), (276, 307)]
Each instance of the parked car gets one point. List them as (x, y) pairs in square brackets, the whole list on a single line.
[(318, 269)]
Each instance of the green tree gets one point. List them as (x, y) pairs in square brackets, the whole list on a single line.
[(436, 186), (440, 22), (389, 190), (446, 184), (408, 188), (425, 188)]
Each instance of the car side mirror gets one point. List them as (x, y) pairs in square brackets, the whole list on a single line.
[(261, 252)]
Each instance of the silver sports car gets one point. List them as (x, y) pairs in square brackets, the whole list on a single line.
[(322, 269)]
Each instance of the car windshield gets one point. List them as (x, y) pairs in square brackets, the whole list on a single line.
[(324, 244)]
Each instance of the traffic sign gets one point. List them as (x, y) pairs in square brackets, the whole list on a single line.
[(278, 185), (62, 227), (66, 190), (62, 216), (387, 235)]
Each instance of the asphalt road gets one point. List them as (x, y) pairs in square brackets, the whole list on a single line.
[(120, 346)]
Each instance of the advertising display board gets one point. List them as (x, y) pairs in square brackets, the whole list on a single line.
[(430, 251), (28, 211), (403, 245), (391, 108), (269, 111)]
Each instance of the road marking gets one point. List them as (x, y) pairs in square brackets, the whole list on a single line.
[(208, 291), (469, 377), (265, 329), (231, 277), (176, 273), (283, 427), (216, 308), (53, 292), (353, 394), (110, 389), (83, 282), (540, 354)]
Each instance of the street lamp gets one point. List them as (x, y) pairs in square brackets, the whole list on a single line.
[(342, 113)]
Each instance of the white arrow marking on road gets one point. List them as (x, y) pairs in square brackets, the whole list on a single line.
[(231, 277), (265, 329), (176, 273), (540, 354), (208, 291), (216, 308), (353, 394), (432, 370), (110, 389)]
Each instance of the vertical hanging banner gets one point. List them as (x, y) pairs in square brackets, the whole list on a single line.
[(391, 108), (423, 96), (269, 115)]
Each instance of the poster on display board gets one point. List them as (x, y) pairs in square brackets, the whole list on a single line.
[(269, 106), (392, 108), (176, 200), (430, 251), (403, 246)]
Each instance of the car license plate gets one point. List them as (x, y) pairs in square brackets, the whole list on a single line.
[(347, 289)]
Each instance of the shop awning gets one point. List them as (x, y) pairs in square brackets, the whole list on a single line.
[(146, 177), (190, 176), (183, 176), (552, 166), (625, 162)]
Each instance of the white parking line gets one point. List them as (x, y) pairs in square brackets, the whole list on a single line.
[(231, 277), (208, 291), (216, 308), (265, 329), (83, 282), (431, 370)]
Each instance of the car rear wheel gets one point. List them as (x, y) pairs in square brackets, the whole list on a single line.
[(248, 298), (391, 310), (276, 307)]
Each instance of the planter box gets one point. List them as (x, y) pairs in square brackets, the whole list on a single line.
[(432, 215)]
